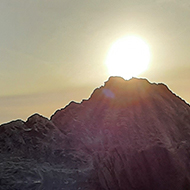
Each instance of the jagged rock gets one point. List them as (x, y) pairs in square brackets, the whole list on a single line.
[(129, 135)]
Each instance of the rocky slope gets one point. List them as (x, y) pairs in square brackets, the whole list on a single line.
[(129, 135)]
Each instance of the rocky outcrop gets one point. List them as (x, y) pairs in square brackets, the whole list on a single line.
[(129, 135)]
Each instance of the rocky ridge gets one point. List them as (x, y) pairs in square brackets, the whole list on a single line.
[(129, 135)]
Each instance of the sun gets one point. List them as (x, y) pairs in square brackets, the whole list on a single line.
[(128, 57)]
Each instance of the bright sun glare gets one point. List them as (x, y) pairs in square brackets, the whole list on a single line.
[(128, 57)]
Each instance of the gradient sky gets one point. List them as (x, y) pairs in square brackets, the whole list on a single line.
[(54, 51)]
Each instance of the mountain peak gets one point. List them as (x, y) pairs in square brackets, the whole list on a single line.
[(118, 79), (133, 83), (35, 118), (120, 84), (119, 90)]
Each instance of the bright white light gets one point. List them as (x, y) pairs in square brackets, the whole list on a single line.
[(128, 57)]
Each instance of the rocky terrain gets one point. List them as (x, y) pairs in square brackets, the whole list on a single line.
[(129, 135)]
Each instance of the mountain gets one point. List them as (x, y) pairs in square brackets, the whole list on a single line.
[(129, 135)]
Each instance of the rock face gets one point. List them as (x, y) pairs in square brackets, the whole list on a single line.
[(129, 135)]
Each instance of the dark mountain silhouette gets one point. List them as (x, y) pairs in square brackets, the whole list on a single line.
[(129, 135)]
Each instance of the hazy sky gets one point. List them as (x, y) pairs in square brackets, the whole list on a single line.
[(54, 51)]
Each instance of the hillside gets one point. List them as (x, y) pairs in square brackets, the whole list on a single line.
[(129, 135)]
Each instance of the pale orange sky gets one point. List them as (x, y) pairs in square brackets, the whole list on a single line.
[(53, 52)]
